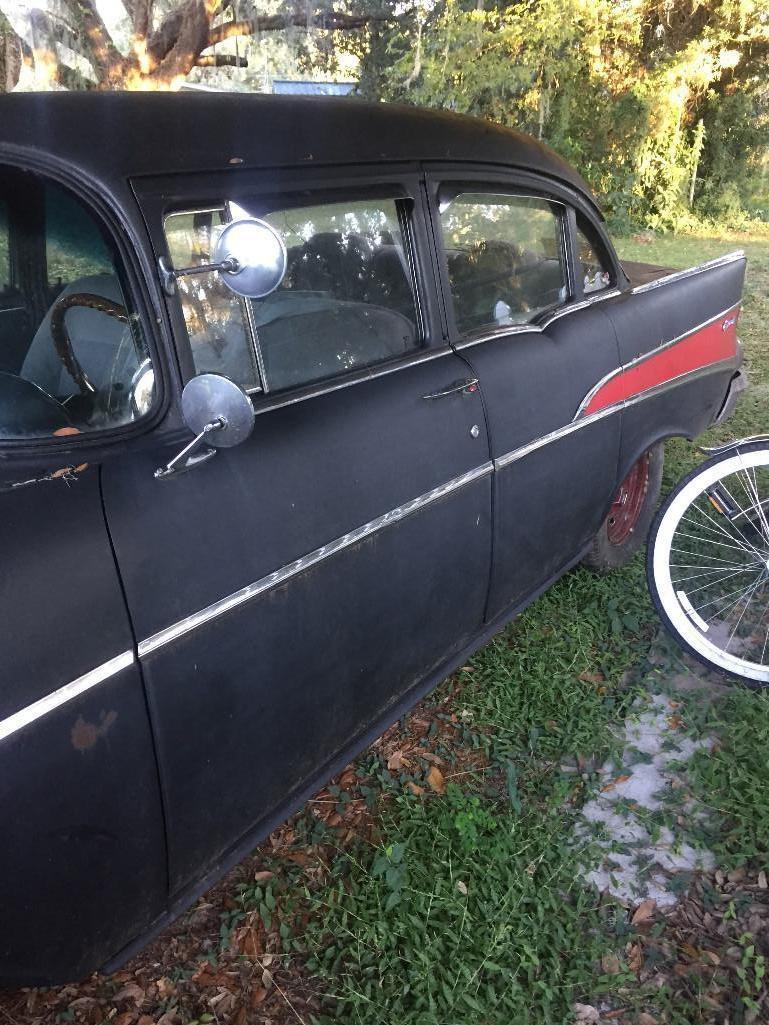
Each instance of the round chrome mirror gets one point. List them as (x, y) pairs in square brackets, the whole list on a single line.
[(256, 255), (215, 399)]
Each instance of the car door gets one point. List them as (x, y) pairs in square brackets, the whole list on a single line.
[(531, 326), (79, 790), (294, 594)]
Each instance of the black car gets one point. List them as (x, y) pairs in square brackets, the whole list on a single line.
[(422, 387)]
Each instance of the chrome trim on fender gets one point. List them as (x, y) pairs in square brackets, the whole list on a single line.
[(679, 275), (576, 425), (531, 446), (650, 355), (280, 576), (71, 690)]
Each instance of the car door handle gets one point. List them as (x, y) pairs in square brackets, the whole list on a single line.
[(468, 386)]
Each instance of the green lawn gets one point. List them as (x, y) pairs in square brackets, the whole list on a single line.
[(469, 907)]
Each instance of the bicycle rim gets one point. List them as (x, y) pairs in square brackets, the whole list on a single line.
[(710, 564)]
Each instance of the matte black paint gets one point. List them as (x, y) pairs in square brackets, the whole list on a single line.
[(214, 738)]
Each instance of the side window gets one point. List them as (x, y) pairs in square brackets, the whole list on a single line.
[(593, 267), (347, 300), (505, 258), (72, 357), (215, 318)]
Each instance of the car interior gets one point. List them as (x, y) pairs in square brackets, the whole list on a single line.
[(69, 351)]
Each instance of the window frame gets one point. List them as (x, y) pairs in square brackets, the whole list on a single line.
[(461, 188), (121, 223), (470, 177), (400, 182)]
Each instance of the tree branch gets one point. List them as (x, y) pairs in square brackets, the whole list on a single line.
[(329, 22), (108, 62), (221, 60)]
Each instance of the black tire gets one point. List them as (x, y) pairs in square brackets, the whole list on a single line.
[(652, 584), (604, 554)]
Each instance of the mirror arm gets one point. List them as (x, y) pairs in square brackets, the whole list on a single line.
[(168, 275), (176, 466)]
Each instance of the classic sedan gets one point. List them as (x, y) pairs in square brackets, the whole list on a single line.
[(420, 387)]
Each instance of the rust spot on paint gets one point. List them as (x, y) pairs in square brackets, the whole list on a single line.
[(85, 734)]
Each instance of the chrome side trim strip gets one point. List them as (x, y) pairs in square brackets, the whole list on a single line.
[(650, 355), (547, 320), (280, 576), (37, 709), (691, 375), (518, 453), (679, 275), (275, 401)]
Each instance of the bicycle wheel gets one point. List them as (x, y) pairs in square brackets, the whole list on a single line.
[(708, 562)]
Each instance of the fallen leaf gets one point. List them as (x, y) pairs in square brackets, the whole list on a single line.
[(762, 883), (146, 1019), (435, 780), (239, 1018), (415, 788), (396, 761), (644, 911), (614, 783), (258, 996), (586, 1014), (675, 722), (165, 987), (267, 979), (711, 956), (126, 1018), (592, 677), (646, 1019), (430, 757), (635, 959), (462, 887), (261, 877), (610, 964), (130, 992)]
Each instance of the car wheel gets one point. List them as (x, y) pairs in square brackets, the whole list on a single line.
[(627, 524)]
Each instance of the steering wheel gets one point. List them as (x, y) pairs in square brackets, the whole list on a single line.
[(62, 342)]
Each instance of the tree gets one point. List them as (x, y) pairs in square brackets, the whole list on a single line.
[(69, 45)]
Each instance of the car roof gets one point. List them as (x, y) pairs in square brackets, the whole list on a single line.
[(118, 135)]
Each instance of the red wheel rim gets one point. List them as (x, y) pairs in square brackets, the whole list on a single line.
[(628, 502)]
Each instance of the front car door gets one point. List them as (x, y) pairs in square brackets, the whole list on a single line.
[(293, 594), (78, 782), (524, 307)]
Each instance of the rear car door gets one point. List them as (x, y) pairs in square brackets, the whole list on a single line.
[(293, 594), (531, 325)]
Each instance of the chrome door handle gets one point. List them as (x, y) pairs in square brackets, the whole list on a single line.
[(468, 386)]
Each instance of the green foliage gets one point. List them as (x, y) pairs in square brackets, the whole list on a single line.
[(666, 112)]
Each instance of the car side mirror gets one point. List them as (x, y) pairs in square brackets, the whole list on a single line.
[(219, 413), (249, 255)]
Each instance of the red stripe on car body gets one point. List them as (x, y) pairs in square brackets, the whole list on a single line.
[(713, 343)]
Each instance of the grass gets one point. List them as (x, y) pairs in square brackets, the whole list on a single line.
[(468, 907)]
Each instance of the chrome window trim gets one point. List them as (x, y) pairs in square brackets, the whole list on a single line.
[(292, 569), (25, 716), (563, 243), (650, 355), (354, 377), (680, 275), (544, 323)]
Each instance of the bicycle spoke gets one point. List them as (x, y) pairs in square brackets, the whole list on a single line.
[(741, 591), (722, 529), (707, 572), (742, 614)]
